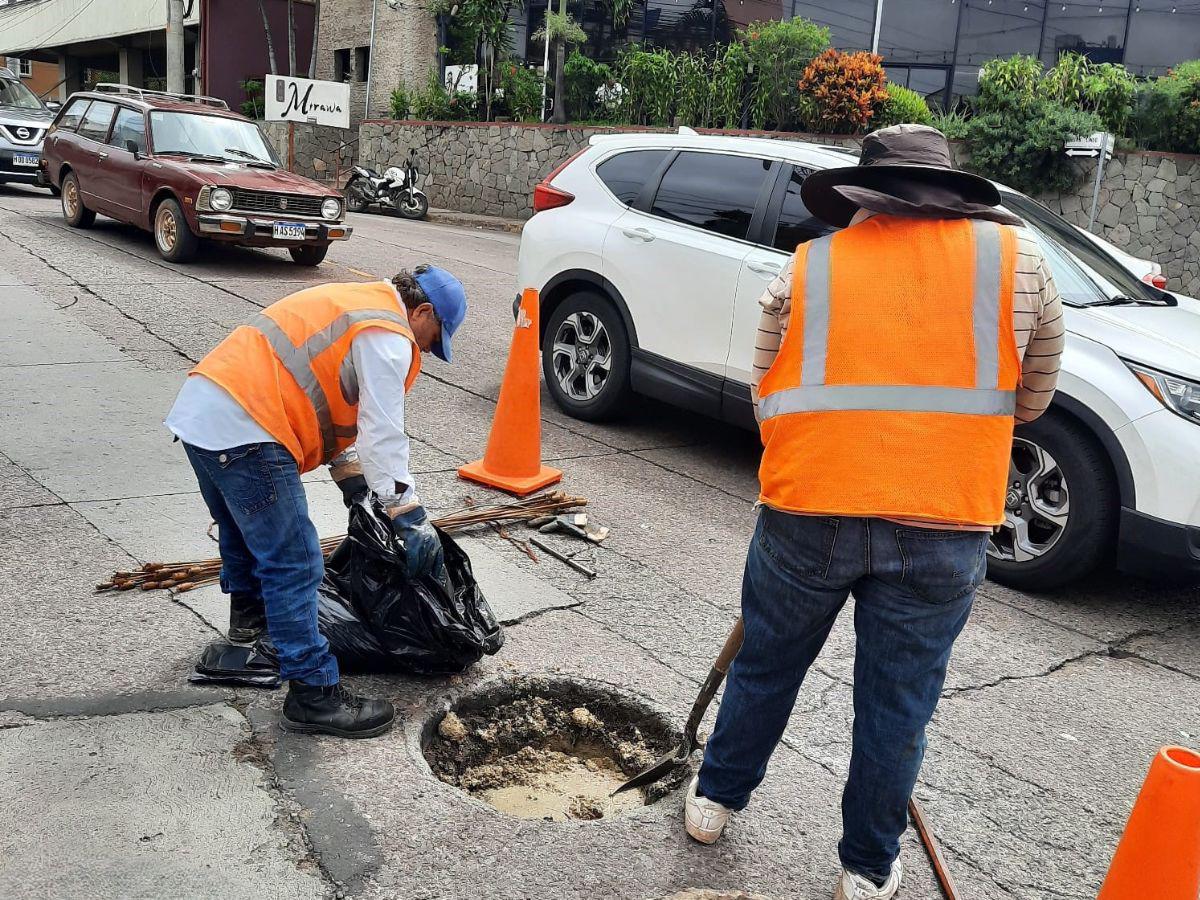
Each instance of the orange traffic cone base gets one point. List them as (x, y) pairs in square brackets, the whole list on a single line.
[(514, 485)]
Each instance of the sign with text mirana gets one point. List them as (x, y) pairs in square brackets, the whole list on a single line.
[(303, 100)]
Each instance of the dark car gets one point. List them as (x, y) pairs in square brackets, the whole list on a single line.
[(23, 121), (186, 169)]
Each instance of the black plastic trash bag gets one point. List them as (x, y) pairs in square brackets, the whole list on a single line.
[(432, 626), (375, 617), (223, 663)]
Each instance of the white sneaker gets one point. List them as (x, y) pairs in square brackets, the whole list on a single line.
[(855, 887), (705, 819)]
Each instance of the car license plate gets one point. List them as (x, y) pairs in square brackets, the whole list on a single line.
[(288, 231), (25, 159)]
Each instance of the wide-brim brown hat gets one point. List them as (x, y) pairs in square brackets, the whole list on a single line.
[(904, 170)]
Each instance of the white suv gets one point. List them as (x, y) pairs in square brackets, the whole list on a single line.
[(651, 252)]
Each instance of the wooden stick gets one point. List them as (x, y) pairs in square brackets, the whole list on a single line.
[(949, 888)]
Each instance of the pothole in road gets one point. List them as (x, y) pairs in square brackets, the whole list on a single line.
[(551, 749)]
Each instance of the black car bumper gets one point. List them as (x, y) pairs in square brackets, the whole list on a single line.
[(24, 174), (1156, 548)]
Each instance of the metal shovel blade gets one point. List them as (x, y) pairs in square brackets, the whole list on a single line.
[(680, 755), (677, 757)]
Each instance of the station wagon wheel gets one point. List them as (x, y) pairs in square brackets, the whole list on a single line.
[(1060, 507), (585, 357), (74, 212), (172, 234)]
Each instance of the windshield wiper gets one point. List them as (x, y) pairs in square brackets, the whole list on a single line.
[(1120, 300), (250, 156)]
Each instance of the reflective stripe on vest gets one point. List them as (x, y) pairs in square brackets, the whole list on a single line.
[(814, 395), (297, 359)]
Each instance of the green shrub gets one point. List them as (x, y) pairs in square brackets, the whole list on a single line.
[(400, 102), (435, 103), (847, 90), (1005, 83), (902, 106), (522, 91), (778, 53), (1167, 112), (729, 86), (1023, 146), (953, 124), (585, 77), (1111, 89), (252, 89), (649, 80)]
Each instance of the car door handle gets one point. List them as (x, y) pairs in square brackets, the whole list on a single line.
[(638, 234), (102, 155), (765, 268)]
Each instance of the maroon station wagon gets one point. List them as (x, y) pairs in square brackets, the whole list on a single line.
[(185, 168)]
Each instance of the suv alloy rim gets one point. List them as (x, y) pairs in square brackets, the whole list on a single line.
[(581, 356), (1036, 506), (164, 230), (70, 198)]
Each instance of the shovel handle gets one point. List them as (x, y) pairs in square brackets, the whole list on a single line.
[(716, 675), (733, 644)]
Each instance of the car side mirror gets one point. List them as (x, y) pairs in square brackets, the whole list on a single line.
[(53, 105), (132, 146)]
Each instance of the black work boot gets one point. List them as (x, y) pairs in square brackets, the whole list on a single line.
[(314, 709), (247, 618)]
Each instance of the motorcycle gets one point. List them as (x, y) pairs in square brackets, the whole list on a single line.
[(395, 190)]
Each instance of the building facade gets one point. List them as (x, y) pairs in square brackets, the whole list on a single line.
[(932, 46), (405, 49), (225, 42), (39, 77)]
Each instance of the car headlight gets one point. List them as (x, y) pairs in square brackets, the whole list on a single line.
[(331, 208), (220, 199), (1177, 394)]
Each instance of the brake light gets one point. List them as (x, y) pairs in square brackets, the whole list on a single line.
[(1157, 280), (547, 197)]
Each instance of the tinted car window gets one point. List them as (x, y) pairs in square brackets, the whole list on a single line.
[(95, 121), (796, 224), (712, 191), (627, 173), (72, 113), (130, 126)]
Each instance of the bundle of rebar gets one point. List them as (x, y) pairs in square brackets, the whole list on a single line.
[(191, 574)]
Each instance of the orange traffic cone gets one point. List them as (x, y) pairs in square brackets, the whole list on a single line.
[(1159, 853), (513, 459)]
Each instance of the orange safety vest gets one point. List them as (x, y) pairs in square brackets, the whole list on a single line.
[(894, 390), (291, 367)]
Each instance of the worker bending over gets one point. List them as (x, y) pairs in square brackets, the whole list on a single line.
[(316, 378), (893, 358)]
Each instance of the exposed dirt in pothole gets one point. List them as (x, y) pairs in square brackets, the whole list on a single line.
[(550, 752)]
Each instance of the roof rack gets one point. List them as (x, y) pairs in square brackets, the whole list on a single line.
[(107, 87)]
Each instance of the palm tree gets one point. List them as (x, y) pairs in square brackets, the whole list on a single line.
[(270, 43), (291, 38), (312, 54)]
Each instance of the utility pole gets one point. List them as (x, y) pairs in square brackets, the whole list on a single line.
[(176, 77)]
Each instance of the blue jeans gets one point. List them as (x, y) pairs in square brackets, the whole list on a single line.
[(913, 589), (269, 547)]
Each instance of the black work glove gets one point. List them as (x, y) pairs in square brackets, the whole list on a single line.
[(353, 488), (422, 546)]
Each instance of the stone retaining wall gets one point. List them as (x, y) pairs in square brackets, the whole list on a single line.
[(1149, 203), (319, 150)]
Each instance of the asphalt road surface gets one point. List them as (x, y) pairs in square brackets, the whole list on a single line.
[(118, 779)]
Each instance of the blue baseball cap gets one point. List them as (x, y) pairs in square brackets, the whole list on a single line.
[(449, 301)]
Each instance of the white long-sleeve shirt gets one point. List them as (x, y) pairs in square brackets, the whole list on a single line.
[(205, 415)]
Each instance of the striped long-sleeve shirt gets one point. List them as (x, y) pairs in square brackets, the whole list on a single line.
[(1037, 325)]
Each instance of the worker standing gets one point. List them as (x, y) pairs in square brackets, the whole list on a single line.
[(318, 377), (894, 357)]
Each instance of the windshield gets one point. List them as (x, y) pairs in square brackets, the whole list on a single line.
[(13, 93), (1083, 272), (195, 134)]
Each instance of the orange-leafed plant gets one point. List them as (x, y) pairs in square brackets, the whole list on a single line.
[(846, 89)]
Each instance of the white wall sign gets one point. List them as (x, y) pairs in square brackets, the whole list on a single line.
[(462, 78), (302, 100), (1091, 145)]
